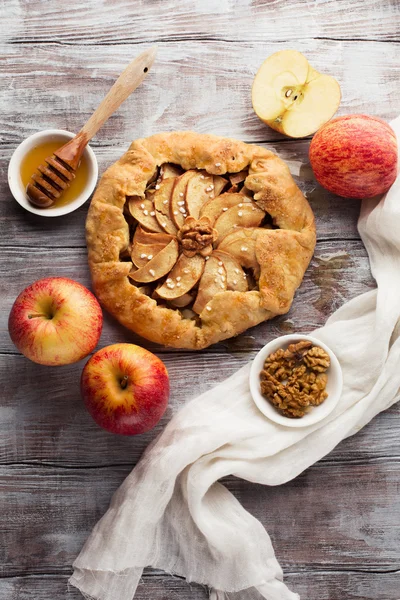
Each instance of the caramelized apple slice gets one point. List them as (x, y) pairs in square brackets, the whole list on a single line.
[(241, 244), (246, 192), (142, 236), (162, 200), (236, 178), (235, 276), (200, 188), (158, 266), (182, 301), (219, 184), (183, 277), (142, 253), (217, 206), (170, 170), (245, 214), (213, 281), (178, 202), (143, 211)]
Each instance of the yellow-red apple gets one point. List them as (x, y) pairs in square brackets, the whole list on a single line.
[(125, 388), (355, 156), (55, 321)]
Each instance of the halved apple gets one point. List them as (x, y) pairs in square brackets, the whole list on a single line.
[(142, 209), (235, 276), (178, 202), (212, 282), (185, 274), (245, 214), (241, 244), (199, 189), (215, 207), (159, 266), (292, 97)]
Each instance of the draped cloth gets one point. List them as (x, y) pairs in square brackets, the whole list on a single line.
[(171, 512)]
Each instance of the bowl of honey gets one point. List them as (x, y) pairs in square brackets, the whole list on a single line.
[(31, 153)]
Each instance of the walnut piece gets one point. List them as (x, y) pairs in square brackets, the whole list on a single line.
[(295, 379), (317, 359), (197, 236)]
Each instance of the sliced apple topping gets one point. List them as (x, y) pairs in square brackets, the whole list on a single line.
[(217, 206), (142, 209), (162, 200), (170, 170), (236, 279), (141, 236), (239, 177), (185, 274), (182, 301), (200, 188), (142, 253), (212, 282), (178, 199), (245, 214), (292, 97), (158, 266), (241, 244), (219, 184), (246, 192), (181, 221)]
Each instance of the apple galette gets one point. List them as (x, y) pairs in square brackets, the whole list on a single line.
[(194, 238)]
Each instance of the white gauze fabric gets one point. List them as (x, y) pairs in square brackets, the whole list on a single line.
[(171, 513)]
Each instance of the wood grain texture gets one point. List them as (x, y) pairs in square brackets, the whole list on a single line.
[(204, 86), (318, 584), (43, 419), (47, 514), (121, 20), (338, 272)]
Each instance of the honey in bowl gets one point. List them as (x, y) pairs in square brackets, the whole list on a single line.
[(37, 156)]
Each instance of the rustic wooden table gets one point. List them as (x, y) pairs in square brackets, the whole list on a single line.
[(336, 527)]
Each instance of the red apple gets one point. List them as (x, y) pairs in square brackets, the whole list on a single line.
[(355, 156), (55, 321), (125, 388)]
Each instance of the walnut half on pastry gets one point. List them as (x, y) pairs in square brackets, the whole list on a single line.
[(194, 238)]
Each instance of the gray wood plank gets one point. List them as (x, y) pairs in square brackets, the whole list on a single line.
[(43, 419), (324, 585), (124, 20), (336, 217), (60, 85), (53, 587), (339, 271), (47, 513)]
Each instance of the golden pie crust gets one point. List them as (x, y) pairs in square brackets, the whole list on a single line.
[(281, 246)]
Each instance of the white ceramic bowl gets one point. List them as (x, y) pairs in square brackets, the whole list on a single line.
[(14, 173), (317, 413)]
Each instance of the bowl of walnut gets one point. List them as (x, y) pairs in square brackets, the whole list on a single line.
[(296, 380)]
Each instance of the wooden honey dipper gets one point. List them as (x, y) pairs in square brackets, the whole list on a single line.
[(51, 179)]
